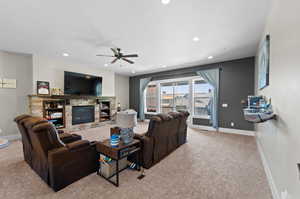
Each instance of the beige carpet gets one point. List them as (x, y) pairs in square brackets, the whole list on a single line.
[(210, 166)]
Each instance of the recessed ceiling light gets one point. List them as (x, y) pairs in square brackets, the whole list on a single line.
[(133, 71), (164, 66), (66, 54), (196, 39), (105, 65), (165, 2), (210, 57)]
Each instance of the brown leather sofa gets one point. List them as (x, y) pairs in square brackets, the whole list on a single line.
[(57, 163), (166, 132)]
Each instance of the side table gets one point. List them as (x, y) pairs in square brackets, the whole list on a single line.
[(116, 154)]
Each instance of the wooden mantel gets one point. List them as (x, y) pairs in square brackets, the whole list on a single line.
[(72, 97)]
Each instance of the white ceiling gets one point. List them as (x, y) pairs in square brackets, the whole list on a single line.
[(160, 34)]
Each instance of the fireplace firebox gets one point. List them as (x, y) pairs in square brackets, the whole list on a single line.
[(83, 114)]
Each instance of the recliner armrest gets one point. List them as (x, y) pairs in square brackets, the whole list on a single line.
[(78, 144), (147, 149)]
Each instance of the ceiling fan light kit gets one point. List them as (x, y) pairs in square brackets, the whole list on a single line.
[(119, 56)]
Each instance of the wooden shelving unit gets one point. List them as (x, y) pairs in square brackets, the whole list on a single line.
[(105, 114), (54, 112)]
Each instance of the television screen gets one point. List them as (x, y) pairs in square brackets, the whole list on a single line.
[(82, 84)]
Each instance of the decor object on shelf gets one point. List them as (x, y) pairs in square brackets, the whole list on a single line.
[(258, 110), (3, 142), (57, 91), (8, 83), (43, 88), (264, 63), (119, 107), (127, 120), (54, 112), (105, 114)]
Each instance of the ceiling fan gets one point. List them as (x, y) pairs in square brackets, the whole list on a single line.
[(119, 56)]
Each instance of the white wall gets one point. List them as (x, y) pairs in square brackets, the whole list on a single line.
[(14, 101), (280, 140), (52, 70), (122, 90)]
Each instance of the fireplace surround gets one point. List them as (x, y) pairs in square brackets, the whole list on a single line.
[(83, 114), (36, 109)]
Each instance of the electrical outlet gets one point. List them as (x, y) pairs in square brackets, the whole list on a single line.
[(224, 105), (232, 124)]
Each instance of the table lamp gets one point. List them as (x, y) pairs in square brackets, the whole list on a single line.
[(126, 121)]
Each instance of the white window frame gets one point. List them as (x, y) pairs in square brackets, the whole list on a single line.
[(158, 83)]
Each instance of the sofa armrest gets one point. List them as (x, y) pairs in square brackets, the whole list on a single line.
[(147, 150)]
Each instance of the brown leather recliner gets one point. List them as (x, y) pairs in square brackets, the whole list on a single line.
[(27, 146), (166, 132), (58, 164)]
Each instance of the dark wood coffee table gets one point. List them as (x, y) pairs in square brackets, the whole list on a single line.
[(118, 153)]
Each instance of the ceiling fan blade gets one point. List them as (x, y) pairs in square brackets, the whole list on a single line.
[(115, 52), (133, 55), (114, 60), (105, 55), (127, 60)]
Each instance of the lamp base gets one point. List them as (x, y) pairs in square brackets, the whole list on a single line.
[(3, 143)]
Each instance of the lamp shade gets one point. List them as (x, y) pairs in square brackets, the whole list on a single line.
[(126, 119)]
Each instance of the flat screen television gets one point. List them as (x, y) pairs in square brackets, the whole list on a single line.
[(82, 84)]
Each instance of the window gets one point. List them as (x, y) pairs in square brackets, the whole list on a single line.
[(167, 97), (181, 96), (151, 99), (203, 96), (174, 96), (188, 94)]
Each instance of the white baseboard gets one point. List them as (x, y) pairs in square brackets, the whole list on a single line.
[(237, 131), (12, 137), (206, 128), (223, 130), (268, 172)]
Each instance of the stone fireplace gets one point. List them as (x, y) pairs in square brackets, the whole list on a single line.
[(79, 112)]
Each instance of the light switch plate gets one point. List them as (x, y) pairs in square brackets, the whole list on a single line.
[(224, 105)]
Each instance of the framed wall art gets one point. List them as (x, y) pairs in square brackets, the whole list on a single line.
[(43, 88), (264, 64)]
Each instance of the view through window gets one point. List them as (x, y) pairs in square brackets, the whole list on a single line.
[(151, 99), (203, 98), (194, 96)]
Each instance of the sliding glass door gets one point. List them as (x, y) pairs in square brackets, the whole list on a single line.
[(167, 97), (174, 96), (194, 95), (202, 99), (181, 96)]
